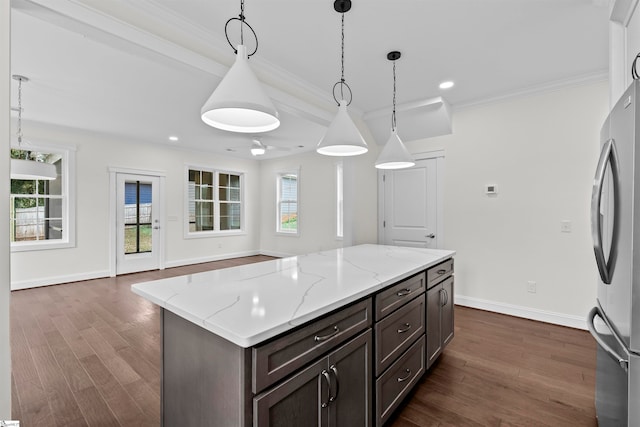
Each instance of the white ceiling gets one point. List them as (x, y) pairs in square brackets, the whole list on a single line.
[(141, 69)]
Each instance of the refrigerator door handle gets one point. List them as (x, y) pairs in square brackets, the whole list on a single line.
[(608, 155), (595, 311)]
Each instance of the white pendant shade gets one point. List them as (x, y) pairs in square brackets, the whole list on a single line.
[(32, 169), (342, 137), (239, 103), (394, 155)]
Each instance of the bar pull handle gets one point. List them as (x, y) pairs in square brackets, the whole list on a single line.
[(607, 156), (327, 378), (320, 338), (404, 292), (595, 311), (407, 326), (333, 369), (406, 377)]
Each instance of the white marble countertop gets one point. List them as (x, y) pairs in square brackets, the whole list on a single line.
[(251, 303)]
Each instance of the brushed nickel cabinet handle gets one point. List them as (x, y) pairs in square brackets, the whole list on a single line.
[(333, 369), (406, 377), (404, 292), (407, 327), (320, 338), (327, 378)]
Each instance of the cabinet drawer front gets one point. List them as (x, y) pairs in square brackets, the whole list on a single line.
[(393, 298), (279, 358), (439, 272), (398, 380), (396, 332)]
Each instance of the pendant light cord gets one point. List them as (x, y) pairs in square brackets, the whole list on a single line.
[(342, 60), (242, 22), (393, 114)]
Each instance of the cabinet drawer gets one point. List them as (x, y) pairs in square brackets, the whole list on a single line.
[(396, 332), (282, 356), (398, 380), (439, 272), (393, 298)]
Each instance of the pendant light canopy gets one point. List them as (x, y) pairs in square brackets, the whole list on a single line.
[(342, 137), (394, 155), (239, 103), (28, 169)]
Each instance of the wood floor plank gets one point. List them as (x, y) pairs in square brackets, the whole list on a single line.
[(115, 396), (95, 410), (88, 353)]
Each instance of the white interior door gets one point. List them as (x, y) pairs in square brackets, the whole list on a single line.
[(410, 207), (138, 228)]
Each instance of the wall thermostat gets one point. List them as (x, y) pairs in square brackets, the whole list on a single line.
[(491, 189)]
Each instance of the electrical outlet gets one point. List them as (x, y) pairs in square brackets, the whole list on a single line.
[(531, 287)]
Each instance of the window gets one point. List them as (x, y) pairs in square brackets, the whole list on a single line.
[(288, 203), (40, 216), (339, 201), (214, 202)]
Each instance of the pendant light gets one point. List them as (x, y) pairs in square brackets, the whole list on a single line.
[(394, 155), (239, 103), (342, 137), (26, 168)]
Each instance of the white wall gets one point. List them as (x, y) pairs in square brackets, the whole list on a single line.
[(541, 151), (95, 154), (317, 216), (5, 276)]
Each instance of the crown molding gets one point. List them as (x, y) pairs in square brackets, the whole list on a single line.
[(537, 89)]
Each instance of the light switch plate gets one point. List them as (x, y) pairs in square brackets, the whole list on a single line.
[(565, 226)]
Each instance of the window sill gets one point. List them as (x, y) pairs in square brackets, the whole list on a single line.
[(40, 246), (288, 233), (207, 234)]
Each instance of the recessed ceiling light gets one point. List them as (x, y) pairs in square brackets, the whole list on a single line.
[(174, 138), (446, 85)]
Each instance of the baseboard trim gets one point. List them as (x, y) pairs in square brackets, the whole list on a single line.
[(57, 280), (561, 319), (191, 261), (27, 284)]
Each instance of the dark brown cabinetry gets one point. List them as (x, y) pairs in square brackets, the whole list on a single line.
[(399, 343), (439, 313), (334, 391), (351, 367)]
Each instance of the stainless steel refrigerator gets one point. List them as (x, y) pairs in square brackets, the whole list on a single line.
[(615, 224)]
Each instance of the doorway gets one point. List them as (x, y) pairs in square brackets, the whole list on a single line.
[(137, 229), (410, 204)]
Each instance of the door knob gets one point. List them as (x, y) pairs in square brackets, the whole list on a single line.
[(431, 236)]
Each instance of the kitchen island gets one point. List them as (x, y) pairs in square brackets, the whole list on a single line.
[(306, 338)]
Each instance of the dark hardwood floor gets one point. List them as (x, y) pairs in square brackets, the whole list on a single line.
[(88, 353)]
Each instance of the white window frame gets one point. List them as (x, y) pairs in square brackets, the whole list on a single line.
[(68, 240), (216, 204), (279, 202), (339, 201)]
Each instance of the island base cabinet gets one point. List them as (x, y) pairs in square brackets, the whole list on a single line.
[(206, 379), (334, 391), (439, 318)]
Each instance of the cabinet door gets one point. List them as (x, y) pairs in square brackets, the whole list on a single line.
[(447, 312), (351, 385), (435, 297), (297, 401)]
